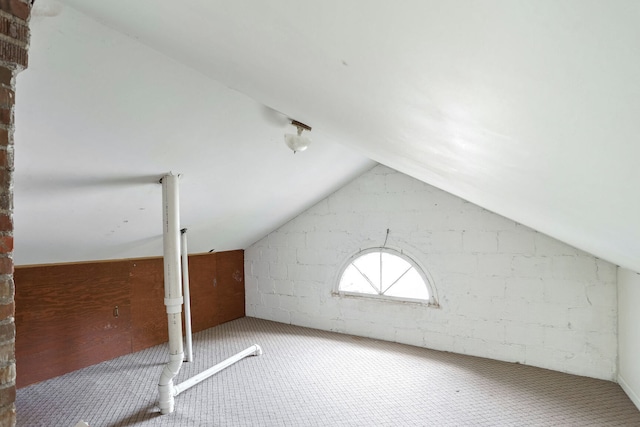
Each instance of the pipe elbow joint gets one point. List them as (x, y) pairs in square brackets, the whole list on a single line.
[(257, 350), (171, 369), (166, 389)]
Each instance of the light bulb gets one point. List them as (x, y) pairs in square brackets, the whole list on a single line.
[(298, 142)]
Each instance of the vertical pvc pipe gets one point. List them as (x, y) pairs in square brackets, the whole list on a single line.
[(187, 297), (173, 301), (172, 291)]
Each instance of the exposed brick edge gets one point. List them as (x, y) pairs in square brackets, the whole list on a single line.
[(14, 33), (14, 43)]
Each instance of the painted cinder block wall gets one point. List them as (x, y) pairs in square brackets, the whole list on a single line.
[(505, 291), (14, 42)]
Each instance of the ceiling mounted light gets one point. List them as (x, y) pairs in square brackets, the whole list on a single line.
[(298, 142)]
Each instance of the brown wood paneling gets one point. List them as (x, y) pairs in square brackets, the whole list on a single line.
[(202, 286), (149, 316), (65, 312), (229, 301), (65, 318), (75, 353)]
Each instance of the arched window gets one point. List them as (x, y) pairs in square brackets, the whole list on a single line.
[(385, 273)]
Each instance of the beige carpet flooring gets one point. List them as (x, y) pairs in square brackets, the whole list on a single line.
[(313, 378)]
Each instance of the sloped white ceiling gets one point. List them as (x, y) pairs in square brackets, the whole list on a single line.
[(100, 118), (529, 109)]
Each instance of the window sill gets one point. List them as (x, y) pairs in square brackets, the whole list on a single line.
[(385, 299)]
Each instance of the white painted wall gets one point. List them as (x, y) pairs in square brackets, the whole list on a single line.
[(506, 292), (629, 333)]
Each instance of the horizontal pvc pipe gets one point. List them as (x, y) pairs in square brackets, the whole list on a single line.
[(254, 350)]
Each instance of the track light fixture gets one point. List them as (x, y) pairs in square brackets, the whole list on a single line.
[(297, 142)]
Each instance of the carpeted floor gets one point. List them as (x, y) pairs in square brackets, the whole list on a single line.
[(314, 378)]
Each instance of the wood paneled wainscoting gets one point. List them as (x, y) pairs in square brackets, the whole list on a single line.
[(70, 316)]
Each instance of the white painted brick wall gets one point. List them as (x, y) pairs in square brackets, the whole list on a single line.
[(505, 291)]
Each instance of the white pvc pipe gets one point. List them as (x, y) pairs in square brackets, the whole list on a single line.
[(173, 301), (254, 350), (187, 297), (172, 291)]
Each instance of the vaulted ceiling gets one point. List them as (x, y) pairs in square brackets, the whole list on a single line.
[(528, 109)]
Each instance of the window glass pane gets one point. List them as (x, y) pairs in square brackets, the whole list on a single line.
[(369, 265), (392, 268), (353, 281), (410, 285)]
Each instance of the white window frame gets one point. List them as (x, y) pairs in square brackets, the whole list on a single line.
[(432, 301)]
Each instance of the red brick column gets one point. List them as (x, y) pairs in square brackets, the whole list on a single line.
[(14, 43)]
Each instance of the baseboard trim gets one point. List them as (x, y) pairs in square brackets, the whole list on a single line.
[(627, 389)]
